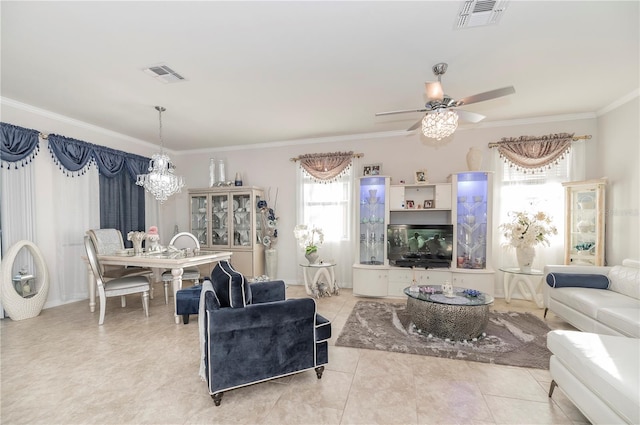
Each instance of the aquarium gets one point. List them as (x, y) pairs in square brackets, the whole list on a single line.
[(420, 245)]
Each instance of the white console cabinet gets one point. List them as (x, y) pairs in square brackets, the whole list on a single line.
[(370, 281)]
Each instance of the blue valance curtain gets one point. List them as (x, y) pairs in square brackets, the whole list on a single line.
[(75, 156), (19, 145)]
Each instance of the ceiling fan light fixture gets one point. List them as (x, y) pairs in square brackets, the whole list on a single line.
[(161, 181), (440, 124)]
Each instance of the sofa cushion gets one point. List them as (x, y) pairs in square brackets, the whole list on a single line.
[(230, 286), (625, 279), (563, 280), (607, 365), (624, 320), (588, 301)]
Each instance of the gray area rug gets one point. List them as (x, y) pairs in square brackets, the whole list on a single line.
[(515, 339)]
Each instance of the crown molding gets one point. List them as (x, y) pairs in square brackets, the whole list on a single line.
[(5, 101), (619, 102)]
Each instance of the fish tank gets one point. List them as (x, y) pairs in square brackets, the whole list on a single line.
[(420, 245)]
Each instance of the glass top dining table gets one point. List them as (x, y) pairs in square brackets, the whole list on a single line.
[(176, 261)]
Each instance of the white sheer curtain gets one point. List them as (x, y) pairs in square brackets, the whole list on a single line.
[(76, 210), (17, 214), (540, 191), (329, 206)]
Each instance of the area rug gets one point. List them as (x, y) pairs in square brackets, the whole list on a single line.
[(515, 339)]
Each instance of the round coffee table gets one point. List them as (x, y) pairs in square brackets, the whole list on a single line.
[(459, 317)]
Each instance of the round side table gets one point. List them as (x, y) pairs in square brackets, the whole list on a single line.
[(312, 274), (514, 276)]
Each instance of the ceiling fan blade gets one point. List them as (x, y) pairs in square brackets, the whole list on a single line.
[(434, 91), (416, 125), (488, 95), (378, 114), (471, 117)]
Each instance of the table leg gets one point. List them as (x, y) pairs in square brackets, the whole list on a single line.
[(176, 283), (508, 287), (526, 287)]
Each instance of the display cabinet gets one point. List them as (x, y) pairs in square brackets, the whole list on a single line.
[(584, 222), (227, 219), (372, 218), (473, 220)]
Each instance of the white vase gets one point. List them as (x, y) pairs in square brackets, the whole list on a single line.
[(271, 263), (474, 159), (525, 257), (312, 257)]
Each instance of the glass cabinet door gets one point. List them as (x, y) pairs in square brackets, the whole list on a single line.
[(473, 202), (373, 220), (199, 218), (220, 220), (241, 215), (584, 233)]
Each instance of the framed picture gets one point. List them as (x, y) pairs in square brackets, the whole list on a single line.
[(410, 204), (428, 203), (372, 170), (421, 177)]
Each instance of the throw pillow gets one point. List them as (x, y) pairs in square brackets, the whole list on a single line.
[(231, 287), (564, 280)]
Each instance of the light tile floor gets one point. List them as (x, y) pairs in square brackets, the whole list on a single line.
[(62, 368)]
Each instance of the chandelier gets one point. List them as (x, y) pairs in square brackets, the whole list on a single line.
[(160, 182), (440, 124)]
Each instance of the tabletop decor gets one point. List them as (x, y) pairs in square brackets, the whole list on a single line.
[(136, 238), (307, 239), (524, 232), (153, 240)]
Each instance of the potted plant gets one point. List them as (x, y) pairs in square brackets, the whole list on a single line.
[(307, 240)]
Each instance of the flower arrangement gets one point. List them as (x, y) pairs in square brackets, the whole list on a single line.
[(307, 237), (527, 230), (268, 235)]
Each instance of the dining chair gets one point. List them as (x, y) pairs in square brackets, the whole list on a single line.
[(116, 287), (110, 242), (182, 240)]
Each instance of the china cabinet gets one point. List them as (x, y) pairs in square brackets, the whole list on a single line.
[(473, 220), (372, 218), (584, 222), (227, 219)]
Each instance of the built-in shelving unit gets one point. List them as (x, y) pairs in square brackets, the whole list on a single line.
[(465, 203)]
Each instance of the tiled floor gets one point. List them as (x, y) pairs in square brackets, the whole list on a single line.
[(62, 368)]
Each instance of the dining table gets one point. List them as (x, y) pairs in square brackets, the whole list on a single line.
[(176, 261)]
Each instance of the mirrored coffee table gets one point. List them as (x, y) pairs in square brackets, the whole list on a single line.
[(458, 317)]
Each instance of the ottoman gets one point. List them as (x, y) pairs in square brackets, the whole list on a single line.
[(188, 302)]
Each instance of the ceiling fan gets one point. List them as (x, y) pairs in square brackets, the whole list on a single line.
[(438, 103)]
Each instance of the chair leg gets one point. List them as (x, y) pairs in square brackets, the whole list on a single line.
[(545, 313), (185, 319), (102, 309), (319, 371), (166, 292), (151, 290), (123, 301), (217, 398), (145, 303)]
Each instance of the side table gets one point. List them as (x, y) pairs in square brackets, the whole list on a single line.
[(528, 284), (312, 274)]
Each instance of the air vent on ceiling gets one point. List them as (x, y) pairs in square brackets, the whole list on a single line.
[(163, 73), (476, 13)]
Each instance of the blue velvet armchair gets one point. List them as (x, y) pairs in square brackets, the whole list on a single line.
[(253, 334)]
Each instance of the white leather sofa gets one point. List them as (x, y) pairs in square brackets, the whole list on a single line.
[(614, 310), (600, 374)]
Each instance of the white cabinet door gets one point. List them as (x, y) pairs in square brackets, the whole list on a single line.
[(443, 196), (370, 282), (483, 281)]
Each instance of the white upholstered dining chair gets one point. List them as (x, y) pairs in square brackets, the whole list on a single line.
[(116, 287), (183, 240)]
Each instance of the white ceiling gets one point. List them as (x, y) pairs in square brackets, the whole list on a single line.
[(261, 72)]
